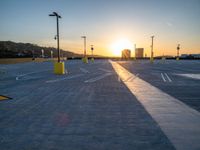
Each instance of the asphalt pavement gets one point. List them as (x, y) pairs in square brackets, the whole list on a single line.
[(168, 76), (90, 107)]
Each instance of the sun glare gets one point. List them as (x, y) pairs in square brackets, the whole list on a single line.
[(120, 45)]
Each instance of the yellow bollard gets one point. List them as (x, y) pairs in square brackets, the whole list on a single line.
[(92, 59), (151, 60), (85, 60), (59, 68)]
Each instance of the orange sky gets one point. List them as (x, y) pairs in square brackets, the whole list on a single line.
[(104, 22)]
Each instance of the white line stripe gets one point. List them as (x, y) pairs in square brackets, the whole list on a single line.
[(193, 76), (168, 77), (179, 122), (22, 75), (135, 76), (163, 77), (66, 78), (105, 70), (98, 78), (84, 70)]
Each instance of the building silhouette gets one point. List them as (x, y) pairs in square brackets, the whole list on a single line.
[(139, 52), (126, 54)]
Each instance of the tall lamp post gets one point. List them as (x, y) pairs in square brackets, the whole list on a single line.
[(57, 19), (152, 37), (84, 37), (92, 49), (178, 48)]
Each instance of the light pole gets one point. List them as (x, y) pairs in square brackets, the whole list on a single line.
[(92, 49), (84, 37), (57, 20), (178, 48), (152, 37)]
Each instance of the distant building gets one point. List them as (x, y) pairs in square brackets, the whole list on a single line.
[(139, 52), (184, 55), (126, 54), (190, 56)]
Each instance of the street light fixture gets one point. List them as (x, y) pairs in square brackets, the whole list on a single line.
[(92, 49), (57, 36)]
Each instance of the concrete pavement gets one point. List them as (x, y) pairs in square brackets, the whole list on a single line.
[(179, 122), (90, 108)]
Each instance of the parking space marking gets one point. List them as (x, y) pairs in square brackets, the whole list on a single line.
[(179, 122), (66, 78), (98, 78), (163, 77), (169, 79), (23, 75), (84, 70), (105, 70), (193, 76)]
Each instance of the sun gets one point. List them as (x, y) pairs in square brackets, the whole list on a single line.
[(120, 45)]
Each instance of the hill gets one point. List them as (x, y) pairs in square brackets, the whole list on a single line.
[(9, 49)]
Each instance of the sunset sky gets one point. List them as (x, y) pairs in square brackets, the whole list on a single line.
[(108, 24)]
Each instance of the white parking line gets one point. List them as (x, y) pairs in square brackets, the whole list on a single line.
[(105, 70), (22, 75), (179, 122), (163, 77), (66, 78), (168, 77), (98, 78), (193, 76), (84, 70)]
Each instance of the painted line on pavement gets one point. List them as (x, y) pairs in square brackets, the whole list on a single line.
[(105, 70), (98, 78), (163, 77), (193, 76), (179, 122), (169, 79), (84, 70), (22, 75), (66, 78)]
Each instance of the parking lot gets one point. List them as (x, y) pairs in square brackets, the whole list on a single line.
[(102, 105)]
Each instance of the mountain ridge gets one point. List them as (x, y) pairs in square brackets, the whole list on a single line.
[(10, 49)]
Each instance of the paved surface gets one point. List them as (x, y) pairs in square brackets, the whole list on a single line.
[(174, 117), (168, 76), (90, 108)]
